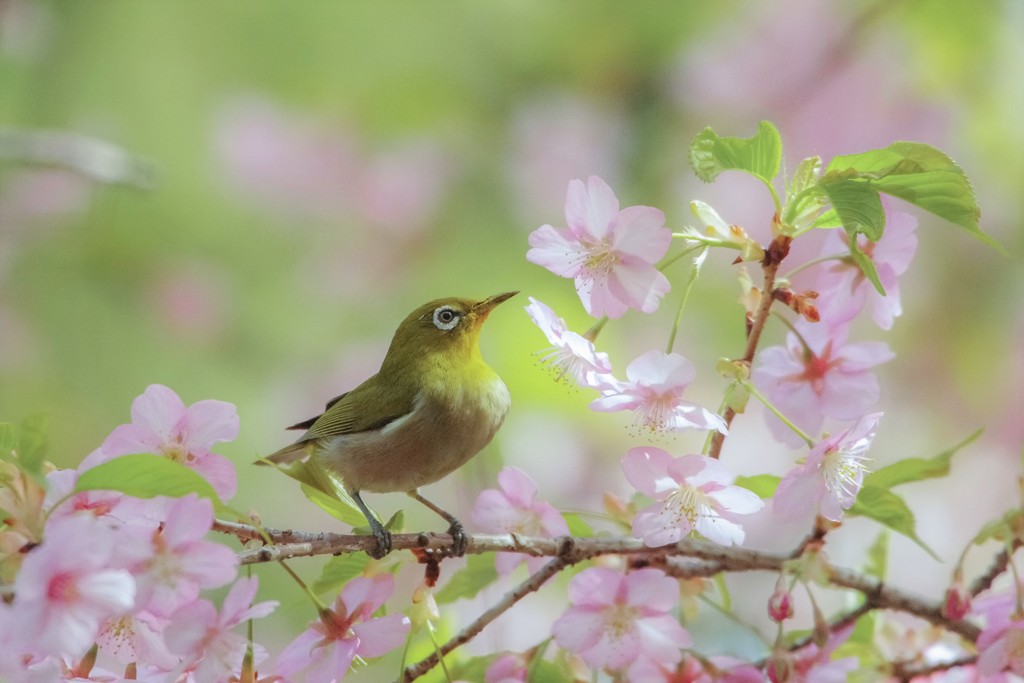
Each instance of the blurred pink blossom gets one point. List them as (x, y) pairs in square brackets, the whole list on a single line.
[(136, 637), (571, 355), (717, 669), (192, 300), (326, 649), (654, 391), (843, 289), (813, 664), (693, 493), (68, 586), (609, 253), (296, 163), (825, 378), (1001, 648), (162, 425), (617, 621), (507, 668), (559, 137), (176, 562), (832, 476), (514, 508), (205, 638)]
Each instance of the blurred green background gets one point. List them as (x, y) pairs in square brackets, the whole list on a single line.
[(241, 200)]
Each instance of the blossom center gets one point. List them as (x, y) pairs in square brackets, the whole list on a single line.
[(601, 259), (844, 468), (689, 503), (176, 451), (62, 588), (619, 620)]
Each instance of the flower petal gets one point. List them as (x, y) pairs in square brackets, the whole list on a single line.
[(380, 636), (647, 470)]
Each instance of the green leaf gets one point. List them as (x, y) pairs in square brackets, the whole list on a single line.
[(338, 571), (33, 443), (866, 265), (759, 155), (8, 438), (864, 629), (858, 206), (917, 469), (144, 475), (478, 573), (919, 174), (577, 527), (878, 556), (763, 485), (829, 219), (888, 509), (543, 671)]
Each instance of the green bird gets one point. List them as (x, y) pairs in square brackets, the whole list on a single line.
[(432, 406)]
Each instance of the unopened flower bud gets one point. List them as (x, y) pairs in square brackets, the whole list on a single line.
[(958, 602), (780, 604)]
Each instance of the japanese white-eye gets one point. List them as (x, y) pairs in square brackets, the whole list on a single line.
[(432, 406)]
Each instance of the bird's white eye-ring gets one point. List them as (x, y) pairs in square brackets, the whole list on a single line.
[(446, 318)]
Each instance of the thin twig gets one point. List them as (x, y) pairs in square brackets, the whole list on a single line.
[(906, 672), (531, 584)]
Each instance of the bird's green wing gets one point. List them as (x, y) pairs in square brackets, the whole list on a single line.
[(371, 405)]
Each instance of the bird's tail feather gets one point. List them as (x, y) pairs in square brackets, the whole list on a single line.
[(288, 454)]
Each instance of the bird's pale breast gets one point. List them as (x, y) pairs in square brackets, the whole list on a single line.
[(449, 424)]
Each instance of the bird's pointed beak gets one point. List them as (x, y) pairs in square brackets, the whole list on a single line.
[(482, 308)]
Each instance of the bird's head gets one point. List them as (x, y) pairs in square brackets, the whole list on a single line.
[(449, 326)]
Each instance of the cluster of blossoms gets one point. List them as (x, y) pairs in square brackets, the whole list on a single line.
[(818, 376), (100, 580)]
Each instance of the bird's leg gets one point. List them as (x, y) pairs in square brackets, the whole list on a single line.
[(382, 535), (459, 540)]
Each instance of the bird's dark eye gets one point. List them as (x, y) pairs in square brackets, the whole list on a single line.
[(445, 318)]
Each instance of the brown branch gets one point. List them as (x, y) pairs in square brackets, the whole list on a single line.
[(531, 584), (908, 672), (999, 565), (573, 550), (773, 257)]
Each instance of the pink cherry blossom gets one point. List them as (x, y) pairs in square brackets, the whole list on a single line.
[(609, 253), (1001, 648), (137, 637), (618, 620), (654, 391), (813, 664), (717, 669), (326, 649), (693, 493), (830, 480), (177, 562), (162, 425), (570, 355), (506, 669), (843, 289), (825, 378), (204, 637), (514, 509), (70, 585)]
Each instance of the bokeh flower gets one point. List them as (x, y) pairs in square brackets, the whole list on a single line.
[(205, 637), (609, 253), (326, 649), (617, 620), (514, 508), (832, 476), (692, 493), (69, 586), (653, 390)]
